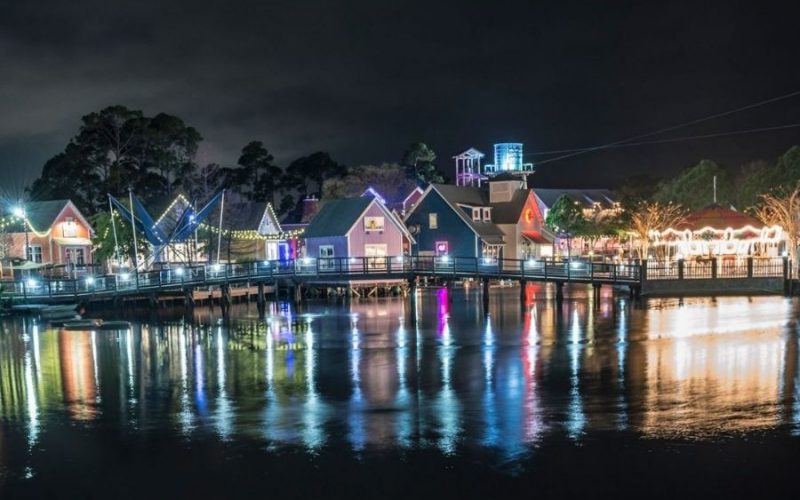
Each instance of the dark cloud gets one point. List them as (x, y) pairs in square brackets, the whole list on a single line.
[(364, 79)]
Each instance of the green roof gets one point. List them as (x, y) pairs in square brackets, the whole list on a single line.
[(336, 217)]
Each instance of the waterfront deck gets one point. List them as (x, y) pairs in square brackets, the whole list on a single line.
[(314, 272), (213, 280)]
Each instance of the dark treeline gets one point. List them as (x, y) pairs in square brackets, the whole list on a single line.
[(741, 188), (117, 148)]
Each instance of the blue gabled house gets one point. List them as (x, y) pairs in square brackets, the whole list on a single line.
[(454, 221)]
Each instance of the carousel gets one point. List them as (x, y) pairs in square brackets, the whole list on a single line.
[(719, 233)]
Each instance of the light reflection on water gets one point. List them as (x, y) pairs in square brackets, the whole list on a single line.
[(381, 374)]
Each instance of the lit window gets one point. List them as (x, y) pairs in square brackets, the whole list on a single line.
[(35, 253), (433, 221)]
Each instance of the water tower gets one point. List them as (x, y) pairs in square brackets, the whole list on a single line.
[(508, 159)]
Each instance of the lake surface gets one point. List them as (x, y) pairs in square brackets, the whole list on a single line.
[(385, 398)]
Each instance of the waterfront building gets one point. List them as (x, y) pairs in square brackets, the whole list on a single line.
[(596, 204), (251, 231), (48, 233), (356, 227), (503, 221)]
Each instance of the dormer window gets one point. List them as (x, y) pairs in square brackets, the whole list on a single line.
[(487, 215), (476, 214)]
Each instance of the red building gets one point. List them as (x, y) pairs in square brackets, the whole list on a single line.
[(57, 234)]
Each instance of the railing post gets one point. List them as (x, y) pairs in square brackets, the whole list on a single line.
[(750, 267), (713, 267), (614, 272), (591, 271), (680, 268)]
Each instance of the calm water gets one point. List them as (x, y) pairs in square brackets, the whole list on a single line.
[(377, 398)]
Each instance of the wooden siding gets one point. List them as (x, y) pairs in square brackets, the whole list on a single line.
[(391, 235), (339, 244), (459, 235)]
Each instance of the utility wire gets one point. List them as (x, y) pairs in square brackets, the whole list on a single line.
[(674, 139), (673, 127)]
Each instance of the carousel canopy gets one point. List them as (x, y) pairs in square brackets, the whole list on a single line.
[(719, 218)]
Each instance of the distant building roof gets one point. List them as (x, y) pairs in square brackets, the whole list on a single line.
[(720, 218), (586, 197), (243, 216)]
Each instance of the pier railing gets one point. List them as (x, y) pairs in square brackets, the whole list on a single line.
[(321, 270), (718, 268)]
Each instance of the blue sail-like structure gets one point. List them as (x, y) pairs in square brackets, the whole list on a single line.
[(186, 225)]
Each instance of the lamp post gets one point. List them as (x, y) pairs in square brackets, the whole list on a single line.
[(20, 212)]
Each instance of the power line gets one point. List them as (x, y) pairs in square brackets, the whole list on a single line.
[(674, 127), (674, 139)]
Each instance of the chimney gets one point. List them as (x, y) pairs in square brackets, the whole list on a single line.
[(503, 191), (310, 209)]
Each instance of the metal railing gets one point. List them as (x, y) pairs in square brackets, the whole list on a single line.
[(718, 268), (324, 269)]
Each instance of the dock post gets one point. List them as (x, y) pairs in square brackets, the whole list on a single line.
[(188, 298), (559, 291), (260, 299), (225, 298), (596, 287), (523, 296), (485, 295)]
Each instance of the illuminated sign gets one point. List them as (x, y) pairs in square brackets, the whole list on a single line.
[(442, 248), (373, 224)]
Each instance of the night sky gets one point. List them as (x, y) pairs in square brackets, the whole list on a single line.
[(364, 79)]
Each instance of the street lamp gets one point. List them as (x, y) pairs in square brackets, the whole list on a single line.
[(19, 211)]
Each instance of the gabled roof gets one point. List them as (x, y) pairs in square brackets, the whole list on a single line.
[(243, 216), (586, 197), (470, 154), (720, 218), (462, 195), (42, 214), (336, 217), (509, 212)]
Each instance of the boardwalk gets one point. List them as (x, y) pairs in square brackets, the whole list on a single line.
[(316, 272)]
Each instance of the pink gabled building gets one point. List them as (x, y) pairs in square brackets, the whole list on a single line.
[(356, 227)]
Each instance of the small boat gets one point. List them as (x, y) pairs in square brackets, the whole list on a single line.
[(83, 324), (59, 311)]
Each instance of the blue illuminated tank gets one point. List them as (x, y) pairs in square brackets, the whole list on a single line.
[(508, 159)]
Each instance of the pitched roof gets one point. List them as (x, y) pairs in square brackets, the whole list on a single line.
[(243, 216), (720, 218), (42, 214), (463, 195), (509, 212), (336, 217), (586, 197)]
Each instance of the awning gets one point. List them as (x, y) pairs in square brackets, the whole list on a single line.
[(73, 241), (537, 237), (493, 240)]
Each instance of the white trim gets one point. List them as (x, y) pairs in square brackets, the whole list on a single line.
[(386, 212), (77, 212), (411, 193)]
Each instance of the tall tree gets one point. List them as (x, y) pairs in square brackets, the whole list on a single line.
[(257, 177), (783, 208), (307, 174), (694, 187), (170, 146), (566, 219), (389, 180), (646, 217), (116, 148), (418, 160)]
